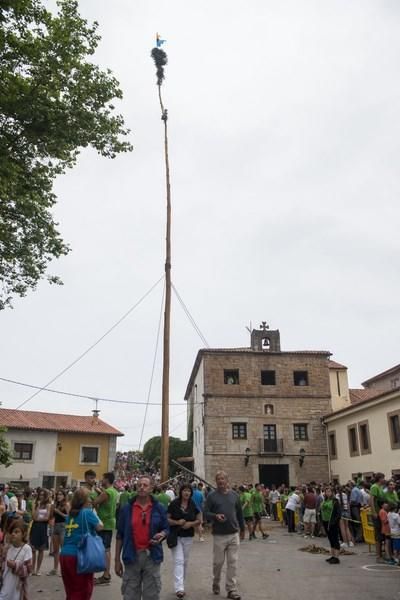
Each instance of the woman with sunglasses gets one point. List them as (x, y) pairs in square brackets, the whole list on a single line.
[(183, 517)]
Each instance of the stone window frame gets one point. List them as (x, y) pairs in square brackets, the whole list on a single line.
[(393, 444), (83, 462), (367, 450), (237, 425), (356, 452), (299, 438), (333, 455), (231, 373), (296, 377), (269, 371), (24, 460)]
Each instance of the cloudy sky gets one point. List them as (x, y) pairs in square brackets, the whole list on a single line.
[(284, 136)]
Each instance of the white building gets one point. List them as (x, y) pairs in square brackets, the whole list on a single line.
[(34, 456), (54, 450), (364, 437)]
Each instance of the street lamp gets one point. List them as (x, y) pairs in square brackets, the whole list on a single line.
[(302, 455), (247, 453)]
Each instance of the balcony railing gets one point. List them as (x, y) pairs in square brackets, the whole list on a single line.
[(268, 446)]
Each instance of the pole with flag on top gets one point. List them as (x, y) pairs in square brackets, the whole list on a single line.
[(160, 59)]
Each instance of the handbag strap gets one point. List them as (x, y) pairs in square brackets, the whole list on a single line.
[(84, 522), (18, 553)]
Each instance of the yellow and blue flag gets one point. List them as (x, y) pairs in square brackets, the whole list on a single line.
[(159, 41)]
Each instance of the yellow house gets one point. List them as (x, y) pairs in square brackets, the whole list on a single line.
[(53, 450)]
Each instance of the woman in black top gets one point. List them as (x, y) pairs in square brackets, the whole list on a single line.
[(183, 517), (60, 510)]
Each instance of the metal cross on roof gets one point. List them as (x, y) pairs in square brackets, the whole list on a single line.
[(264, 326)]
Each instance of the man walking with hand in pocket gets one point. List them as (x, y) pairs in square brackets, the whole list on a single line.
[(142, 526), (224, 511)]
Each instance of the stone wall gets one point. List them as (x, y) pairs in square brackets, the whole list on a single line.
[(245, 403)]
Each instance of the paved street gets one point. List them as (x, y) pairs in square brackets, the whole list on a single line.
[(269, 570)]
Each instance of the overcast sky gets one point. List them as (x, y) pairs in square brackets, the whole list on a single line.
[(284, 138)]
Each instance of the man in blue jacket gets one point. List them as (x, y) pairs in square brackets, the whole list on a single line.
[(142, 526)]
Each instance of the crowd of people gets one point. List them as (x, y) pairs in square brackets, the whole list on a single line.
[(129, 466), (144, 514)]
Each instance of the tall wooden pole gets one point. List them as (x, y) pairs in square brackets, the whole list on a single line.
[(167, 311)]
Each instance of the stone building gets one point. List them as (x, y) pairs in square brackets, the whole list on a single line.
[(256, 412)]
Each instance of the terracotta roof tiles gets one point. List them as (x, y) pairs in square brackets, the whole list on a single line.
[(41, 421), (332, 364), (362, 394)]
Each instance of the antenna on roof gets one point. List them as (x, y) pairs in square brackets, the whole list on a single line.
[(96, 410), (250, 329)]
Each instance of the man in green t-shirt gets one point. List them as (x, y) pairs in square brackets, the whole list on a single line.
[(106, 506), (90, 483), (124, 497), (376, 498), (247, 508), (391, 496), (258, 508), (161, 496)]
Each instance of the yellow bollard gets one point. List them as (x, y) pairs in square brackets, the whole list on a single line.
[(368, 527), (280, 512)]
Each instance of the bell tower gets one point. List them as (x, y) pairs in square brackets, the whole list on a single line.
[(265, 339)]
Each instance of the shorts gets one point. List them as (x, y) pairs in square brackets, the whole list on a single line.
[(396, 544), (257, 517), (106, 536), (59, 529), (378, 529), (310, 515), (248, 519)]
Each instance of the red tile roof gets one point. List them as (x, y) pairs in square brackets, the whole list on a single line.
[(335, 365), (41, 421), (360, 395)]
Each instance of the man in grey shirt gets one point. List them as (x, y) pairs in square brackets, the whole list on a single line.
[(224, 511)]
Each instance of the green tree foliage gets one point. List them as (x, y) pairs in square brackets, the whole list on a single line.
[(5, 450), (53, 103), (177, 448)]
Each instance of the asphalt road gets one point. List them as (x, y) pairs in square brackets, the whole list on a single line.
[(273, 569)]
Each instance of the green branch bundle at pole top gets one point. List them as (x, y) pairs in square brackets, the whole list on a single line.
[(160, 60)]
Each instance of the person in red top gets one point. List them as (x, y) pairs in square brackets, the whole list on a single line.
[(385, 531), (142, 525), (310, 512)]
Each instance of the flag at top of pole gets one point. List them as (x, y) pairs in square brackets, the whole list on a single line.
[(160, 59), (159, 41)]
